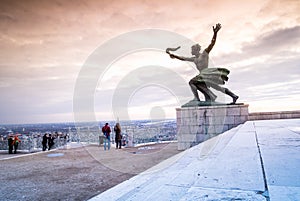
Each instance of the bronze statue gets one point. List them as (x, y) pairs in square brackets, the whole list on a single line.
[(208, 77)]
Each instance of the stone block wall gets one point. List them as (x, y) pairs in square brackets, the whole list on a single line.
[(197, 124), (274, 115)]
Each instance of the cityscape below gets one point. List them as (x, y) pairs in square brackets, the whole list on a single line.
[(134, 132)]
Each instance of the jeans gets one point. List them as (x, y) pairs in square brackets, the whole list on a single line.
[(106, 141)]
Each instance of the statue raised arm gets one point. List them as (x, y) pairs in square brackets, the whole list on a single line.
[(214, 38)]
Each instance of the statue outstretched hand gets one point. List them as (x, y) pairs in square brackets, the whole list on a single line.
[(217, 28), (172, 49), (172, 56)]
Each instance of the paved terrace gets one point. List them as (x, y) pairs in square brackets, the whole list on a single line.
[(259, 160)]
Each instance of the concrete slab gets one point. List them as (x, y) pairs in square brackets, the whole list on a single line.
[(280, 147), (286, 193), (207, 194), (259, 160), (237, 167)]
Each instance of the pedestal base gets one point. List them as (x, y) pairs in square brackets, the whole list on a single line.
[(197, 124)]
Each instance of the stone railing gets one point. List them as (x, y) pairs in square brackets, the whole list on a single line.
[(131, 137), (274, 115), (33, 144)]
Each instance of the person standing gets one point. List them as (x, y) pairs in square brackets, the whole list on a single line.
[(106, 132), (10, 144), (118, 137), (16, 144), (44, 142), (50, 141)]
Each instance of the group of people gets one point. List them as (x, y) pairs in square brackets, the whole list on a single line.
[(13, 144), (106, 130), (47, 140)]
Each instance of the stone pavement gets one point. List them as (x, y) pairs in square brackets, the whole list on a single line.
[(75, 172), (258, 160)]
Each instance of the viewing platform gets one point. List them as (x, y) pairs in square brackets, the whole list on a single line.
[(258, 160)]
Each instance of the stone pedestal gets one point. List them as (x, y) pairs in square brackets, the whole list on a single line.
[(197, 124)]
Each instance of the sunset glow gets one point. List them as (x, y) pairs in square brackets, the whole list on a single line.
[(44, 45)]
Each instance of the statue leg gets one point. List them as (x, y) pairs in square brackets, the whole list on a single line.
[(201, 86), (233, 96), (208, 94), (194, 89), (225, 91)]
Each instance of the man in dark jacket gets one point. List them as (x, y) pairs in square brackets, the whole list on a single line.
[(50, 141), (44, 142), (10, 145)]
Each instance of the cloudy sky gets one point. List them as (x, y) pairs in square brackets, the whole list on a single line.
[(46, 45)]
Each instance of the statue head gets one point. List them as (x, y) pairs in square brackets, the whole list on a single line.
[(196, 49)]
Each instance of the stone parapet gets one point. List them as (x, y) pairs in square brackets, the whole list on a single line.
[(33, 144), (197, 124), (274, 115)]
